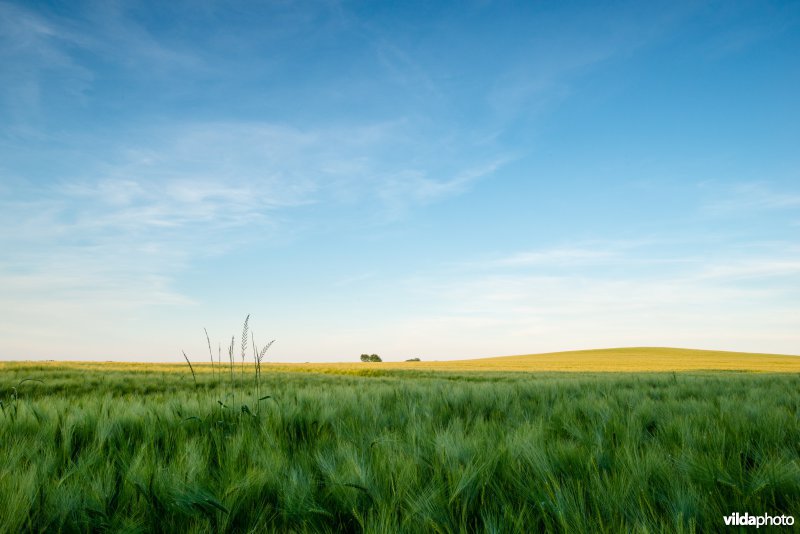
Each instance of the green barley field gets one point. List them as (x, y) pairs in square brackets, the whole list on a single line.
[(149, 448)]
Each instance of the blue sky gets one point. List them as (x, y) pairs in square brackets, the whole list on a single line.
[(432, 179)]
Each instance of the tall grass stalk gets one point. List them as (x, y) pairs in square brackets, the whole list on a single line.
[(244, 344), (210, 354)]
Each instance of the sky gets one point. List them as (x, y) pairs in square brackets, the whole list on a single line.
[(440, 180)]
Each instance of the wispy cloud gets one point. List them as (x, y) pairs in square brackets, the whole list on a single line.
[(35, 54), (768, 24), (404, 70), (247, 166), (56, 64), (554, 56), (121, 228), (553, 257), (645, 251), (752, 269), (402, 190), (749, 197)]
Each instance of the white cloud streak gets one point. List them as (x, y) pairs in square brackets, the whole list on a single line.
[(749, 197)]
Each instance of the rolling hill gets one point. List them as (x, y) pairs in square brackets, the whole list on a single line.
[(629, 359)]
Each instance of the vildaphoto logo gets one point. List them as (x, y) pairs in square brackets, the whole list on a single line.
[(746, 520)]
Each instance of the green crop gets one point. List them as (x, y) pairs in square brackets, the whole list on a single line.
[(95, 450)]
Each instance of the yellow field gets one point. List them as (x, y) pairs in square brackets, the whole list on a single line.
[(638, 359), (631, 360)]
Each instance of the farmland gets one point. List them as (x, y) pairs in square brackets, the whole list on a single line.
[(633, 359), (494, 445)]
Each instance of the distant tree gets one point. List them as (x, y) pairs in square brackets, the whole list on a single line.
[(414, 360), (375, 358), (365, 358)]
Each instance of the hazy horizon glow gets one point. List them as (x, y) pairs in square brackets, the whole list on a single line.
[(434, 180)]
